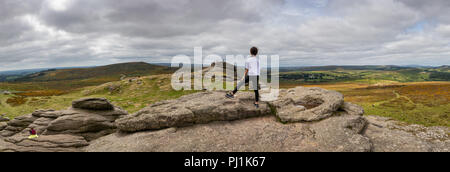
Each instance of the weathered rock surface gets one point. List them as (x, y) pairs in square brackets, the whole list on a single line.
[(392, 136), (93, 104), (198, 108), (337, 127), (65, 130), (44, 143), (17, 125), (303, 119), (303, 104), (265, 134), (3, 125), (315, 120)]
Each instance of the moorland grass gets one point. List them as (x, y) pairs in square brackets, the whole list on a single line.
[(131, 96), (425, 103)]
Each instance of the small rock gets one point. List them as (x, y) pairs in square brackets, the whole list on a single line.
[(47, 113), (3, 125), (352, 109), (3, 118), (22, 121), (319, 104), (93, 104)]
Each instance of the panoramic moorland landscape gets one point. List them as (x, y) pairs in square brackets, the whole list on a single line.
[(112, 76), (416, 95)]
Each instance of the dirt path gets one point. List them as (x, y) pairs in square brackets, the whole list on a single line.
[(397, 96)]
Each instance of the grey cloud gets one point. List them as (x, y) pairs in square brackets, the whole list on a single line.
[(13, 8), (151, 18), (431, 9), (314, 32)]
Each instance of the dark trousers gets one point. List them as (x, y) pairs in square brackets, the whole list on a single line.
[(255, 85)]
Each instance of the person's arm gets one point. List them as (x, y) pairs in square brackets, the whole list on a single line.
[(246, 68), (245, 74)]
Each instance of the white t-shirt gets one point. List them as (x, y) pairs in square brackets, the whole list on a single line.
[(252, 64)]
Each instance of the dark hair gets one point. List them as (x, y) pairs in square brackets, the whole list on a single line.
[(254, 51)]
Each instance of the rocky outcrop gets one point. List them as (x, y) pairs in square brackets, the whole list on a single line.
[(45, 143), (17, 125), (302, 119), (332, 124), (303, 104), (198, 108), (93, 104), (260, 134), (65, 130)]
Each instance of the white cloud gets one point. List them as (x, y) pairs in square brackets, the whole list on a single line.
[(58, 5)]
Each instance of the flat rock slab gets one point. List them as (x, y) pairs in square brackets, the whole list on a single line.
[(198, 108), (53, 143), (85, 121), (93, 104), (303, 104), (388, 135), (265, 134)]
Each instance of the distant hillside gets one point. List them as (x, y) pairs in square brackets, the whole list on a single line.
[(15, 74), (6, 76), (445, 68), (110, 71), (364, 74), (328, 68)]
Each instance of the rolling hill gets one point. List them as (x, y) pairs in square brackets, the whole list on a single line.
[(370, 74), (328, 68), (57, 80), (109, 71)]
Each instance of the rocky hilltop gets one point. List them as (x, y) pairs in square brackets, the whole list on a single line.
[(66, 130), (302, 119)]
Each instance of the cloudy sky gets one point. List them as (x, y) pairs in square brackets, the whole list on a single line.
[(59, 33)]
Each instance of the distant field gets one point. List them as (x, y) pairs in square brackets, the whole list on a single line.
[(425, 103), (366, 76)]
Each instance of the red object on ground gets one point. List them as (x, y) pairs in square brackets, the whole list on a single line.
[(33, 132)]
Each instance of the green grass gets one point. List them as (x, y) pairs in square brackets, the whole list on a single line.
[(131, 96), (425, 103), (424, 115), (366, 76)]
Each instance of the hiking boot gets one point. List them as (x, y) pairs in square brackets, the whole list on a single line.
[(229, 95)]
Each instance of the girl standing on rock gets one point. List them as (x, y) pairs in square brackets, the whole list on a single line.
[(252, 72)]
